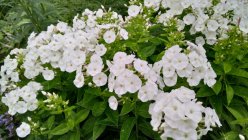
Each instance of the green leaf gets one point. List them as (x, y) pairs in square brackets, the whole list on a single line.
[(230, 135), (217, 87), (107, 122), (60, 130), (216, 102), (238, 72), (98, 130), (70, 123), (23, 22), (50, 122), (204, 91), (127, 107), (241, 91), (229, 93), (146, 128), (34, 137), (142, 109), (88, 101), (81, 116), (98, 108), (229, 118), (227, 67), (88, 126), (156, 30), (217, 69), (112, 115), (235, 112), (55, 83), (126, 128), (240, 121), (75, 135), (93, 91), (146, 50)]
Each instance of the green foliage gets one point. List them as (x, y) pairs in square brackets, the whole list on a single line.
[(231, 88)]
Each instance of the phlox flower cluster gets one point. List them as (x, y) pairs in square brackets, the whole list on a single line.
[(21, 100), (127, 73), (191, 64), (8, 74), (177, 115), (211, 20), (67, 48)]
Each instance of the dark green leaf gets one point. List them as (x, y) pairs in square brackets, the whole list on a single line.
[(88, 126), (238, 72), (217, 69), (81, 116), (93, 91), (236, 112), (216, 102), (146, 128), (112, 115), (98, 130), (98, 108), (88, 101), (229, 93), (60, 130), (217, 87), (142, 109), (204, 91), (156, 30), (241, 91), (146, 50), (127, 107), (126, 128)]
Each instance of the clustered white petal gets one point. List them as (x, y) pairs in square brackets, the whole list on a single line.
[(20, 100), (194, 66), (177, 115), (211, 24)]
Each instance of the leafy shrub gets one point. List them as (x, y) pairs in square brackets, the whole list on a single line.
[(141, 76)]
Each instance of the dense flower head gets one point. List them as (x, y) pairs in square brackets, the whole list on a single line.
[(213, 24), (192, 65), (177, 115), (21, 100)]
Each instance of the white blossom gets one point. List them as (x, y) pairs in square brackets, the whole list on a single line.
[(100, 79), (109, 36), (23, 130), (113, 103), (133, 10)]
